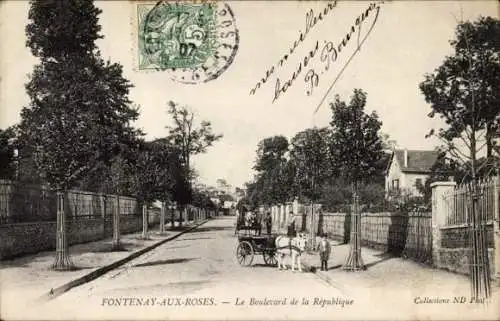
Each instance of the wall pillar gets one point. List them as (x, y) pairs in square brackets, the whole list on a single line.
[(282, 215), (295, 206), (439, 211)]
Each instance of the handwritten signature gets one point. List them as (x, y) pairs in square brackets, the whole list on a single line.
[(311, 21)]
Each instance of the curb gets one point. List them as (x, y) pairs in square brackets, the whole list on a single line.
[(105, 269)]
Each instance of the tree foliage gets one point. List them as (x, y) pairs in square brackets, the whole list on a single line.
[(356, 144), (158, 172), (274, 173), (189, 137), (58, 29), (7, 155), (463, 90), (310, 158), (79, 113)]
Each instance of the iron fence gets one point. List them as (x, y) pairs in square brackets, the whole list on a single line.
[(458, 203)]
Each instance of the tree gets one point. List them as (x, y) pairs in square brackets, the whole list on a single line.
[(464, 92), (274, 177), (155, 176), (7, 154), (356, 147), (310, 158), (191, 140), (79, 111)]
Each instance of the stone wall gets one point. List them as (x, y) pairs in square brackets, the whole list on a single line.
[(459, 237), (26, 238), (457, 260)]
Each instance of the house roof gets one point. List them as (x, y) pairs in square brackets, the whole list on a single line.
[(419, 161)]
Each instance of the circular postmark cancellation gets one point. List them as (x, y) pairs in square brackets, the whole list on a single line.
[(193, 42)]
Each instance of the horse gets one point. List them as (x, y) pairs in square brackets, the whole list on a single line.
[(290, 246)]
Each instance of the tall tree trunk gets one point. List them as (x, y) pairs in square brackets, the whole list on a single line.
[(172, 216), (354, 260), (116, 224), (181, 213), (145, 221), (62, 261), (162, 218)]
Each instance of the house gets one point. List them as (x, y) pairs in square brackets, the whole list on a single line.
[(407, 169)]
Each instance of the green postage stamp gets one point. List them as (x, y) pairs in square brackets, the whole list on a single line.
[(193, 41)]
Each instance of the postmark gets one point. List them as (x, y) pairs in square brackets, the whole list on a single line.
[(192, 42)]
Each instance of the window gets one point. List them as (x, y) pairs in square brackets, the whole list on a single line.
[(395, 183), (418, 182)]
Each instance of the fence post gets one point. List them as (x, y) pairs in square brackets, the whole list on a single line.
[(116, 223), (102, 198), (439, 190), (162, 218), (496, 227), (145, 219)]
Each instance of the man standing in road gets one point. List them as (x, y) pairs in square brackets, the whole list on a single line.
[(324, 252)]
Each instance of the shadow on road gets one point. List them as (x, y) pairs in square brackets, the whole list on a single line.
[(194, 239), (383, 257), (212, 228), (176, 247), (162, 262)]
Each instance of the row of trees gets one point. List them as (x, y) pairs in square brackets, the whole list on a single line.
[(324, 164), (77, 130)]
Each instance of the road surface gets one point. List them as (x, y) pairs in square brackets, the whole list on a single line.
[(196, 276)]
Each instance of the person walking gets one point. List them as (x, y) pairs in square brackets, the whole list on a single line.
[(269, 223), (324, 248)]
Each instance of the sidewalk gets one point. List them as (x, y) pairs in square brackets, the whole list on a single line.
[(30, 277), (387, 275)]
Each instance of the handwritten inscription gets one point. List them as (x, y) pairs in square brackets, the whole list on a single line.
[(311, 20), (329, 54), (322, 55)]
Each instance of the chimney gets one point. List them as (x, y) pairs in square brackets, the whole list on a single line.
[(406, 157)]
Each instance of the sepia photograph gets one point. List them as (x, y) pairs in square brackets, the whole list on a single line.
[(249, 160)]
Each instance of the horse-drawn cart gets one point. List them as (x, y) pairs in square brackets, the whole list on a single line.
[(251, 245)]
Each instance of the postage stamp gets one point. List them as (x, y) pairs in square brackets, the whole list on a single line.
[(194, 42)]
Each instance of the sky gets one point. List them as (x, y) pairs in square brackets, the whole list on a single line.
[(407, 40)]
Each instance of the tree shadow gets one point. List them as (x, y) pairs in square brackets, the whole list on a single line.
[(347, 228), (398, 233), (176, 247), (106, 247), (212, 228), (194, 239), (164, 262), (321, 220), (383, 257)]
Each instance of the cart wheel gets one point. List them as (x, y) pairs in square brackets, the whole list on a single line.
[(270, 258), (244, 253)]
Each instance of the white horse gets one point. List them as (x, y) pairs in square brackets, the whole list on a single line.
[(292, 247)]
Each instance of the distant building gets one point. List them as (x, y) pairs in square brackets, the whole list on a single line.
[(407, 169)]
